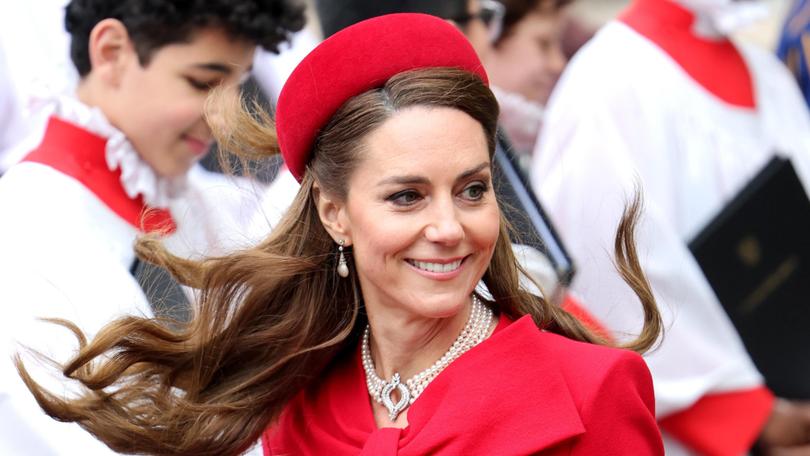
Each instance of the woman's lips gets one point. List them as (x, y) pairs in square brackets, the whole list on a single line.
[(438, 269)]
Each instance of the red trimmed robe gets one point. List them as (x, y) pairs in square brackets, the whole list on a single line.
[(521, 391), (66, 239), (691, 119), (66, 234), (67, 228)]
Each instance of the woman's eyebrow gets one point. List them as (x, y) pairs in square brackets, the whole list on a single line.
[(420, 180), (473, 171), (404, 180)]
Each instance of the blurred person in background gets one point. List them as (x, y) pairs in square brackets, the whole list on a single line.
[(117, 160), (794, 45), (525, 63), (663, 96), (479, 20)]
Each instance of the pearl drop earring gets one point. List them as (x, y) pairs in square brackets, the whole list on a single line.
[(343, 268)]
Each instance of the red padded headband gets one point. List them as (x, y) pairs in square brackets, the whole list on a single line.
[(355, 60)]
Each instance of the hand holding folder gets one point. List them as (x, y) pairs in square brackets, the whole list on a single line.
[(756, 255)]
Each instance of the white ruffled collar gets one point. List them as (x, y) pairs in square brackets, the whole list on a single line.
[(521, 118), (716, 19), (137, 177)]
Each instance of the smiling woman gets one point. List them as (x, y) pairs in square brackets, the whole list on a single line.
[(421, 206), (401, 354)]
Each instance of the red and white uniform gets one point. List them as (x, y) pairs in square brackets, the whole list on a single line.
[(691, 120), (71, 213)]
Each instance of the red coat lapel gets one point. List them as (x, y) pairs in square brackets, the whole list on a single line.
[(522, 407)]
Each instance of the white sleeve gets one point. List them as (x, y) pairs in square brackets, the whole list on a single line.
[(24, 428), (585, 171)]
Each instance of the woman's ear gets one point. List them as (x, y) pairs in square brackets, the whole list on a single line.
[(110, 50), (333, 214)]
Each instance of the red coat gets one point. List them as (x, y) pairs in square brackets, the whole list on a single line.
[(522, 391)]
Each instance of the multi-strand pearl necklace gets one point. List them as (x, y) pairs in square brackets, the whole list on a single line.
[(474, 332)]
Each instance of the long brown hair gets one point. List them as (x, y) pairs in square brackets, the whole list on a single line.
[(271, 318)]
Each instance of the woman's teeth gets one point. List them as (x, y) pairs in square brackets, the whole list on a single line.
[(435, 267)]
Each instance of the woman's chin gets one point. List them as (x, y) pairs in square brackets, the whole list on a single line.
[(443, 306)]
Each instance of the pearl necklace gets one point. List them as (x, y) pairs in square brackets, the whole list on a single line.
[(474, 332)]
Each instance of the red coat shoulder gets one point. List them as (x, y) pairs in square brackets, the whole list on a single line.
[(613, 392), (522, 391)]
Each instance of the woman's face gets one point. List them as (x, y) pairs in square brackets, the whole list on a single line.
[(420, 212), (530, 59), (160, 106)]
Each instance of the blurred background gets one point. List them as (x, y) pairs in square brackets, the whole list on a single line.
[(765, 33)]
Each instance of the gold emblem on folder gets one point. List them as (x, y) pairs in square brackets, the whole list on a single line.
[(749, 251)]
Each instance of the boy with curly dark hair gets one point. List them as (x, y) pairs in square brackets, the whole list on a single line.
[(117, 160)]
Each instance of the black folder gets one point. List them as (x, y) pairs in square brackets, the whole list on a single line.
[(756, 255), (525, 213)]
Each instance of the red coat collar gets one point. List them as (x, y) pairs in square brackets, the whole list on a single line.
[(80, 154), (716, 65), (524, 412)]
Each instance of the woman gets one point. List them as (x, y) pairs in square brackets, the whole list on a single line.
[(356, 326)]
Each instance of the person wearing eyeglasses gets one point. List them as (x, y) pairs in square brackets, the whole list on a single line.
[(479, 20), (526, 60)]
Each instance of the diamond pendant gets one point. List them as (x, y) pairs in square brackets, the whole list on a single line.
[(404, 397)]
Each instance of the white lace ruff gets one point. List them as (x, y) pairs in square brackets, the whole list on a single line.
[(137, 177), (521, 119), (726, 16)]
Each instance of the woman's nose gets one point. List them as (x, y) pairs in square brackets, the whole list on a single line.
[(445, 226)]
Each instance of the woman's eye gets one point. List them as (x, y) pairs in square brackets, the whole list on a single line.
[(405, 198), (474, 192)]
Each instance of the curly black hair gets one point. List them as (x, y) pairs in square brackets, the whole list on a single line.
[(152, 24)]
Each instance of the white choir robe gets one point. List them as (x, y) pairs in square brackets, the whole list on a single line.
[(624, 112), (65, 254)]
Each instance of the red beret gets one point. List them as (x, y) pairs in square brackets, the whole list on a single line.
[(355, 60)]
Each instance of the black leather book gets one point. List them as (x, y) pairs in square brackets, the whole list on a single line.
[(524, 212), (756, 255)]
